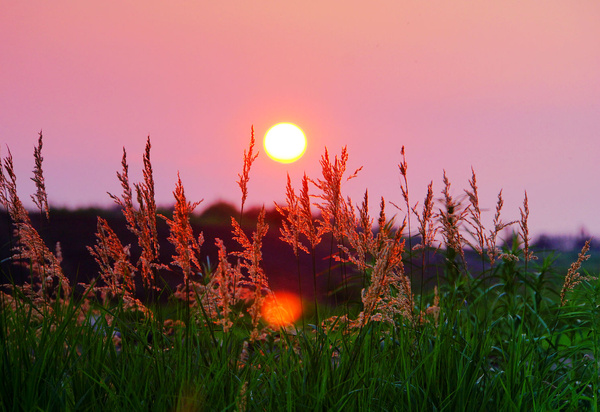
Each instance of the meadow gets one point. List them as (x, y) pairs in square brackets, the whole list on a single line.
[(496, 327)]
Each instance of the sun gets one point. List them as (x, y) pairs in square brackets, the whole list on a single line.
[(285, 142)]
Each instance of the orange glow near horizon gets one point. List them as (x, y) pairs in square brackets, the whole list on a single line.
[(282, 308)]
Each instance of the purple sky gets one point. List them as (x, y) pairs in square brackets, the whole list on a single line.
[(511, 88)]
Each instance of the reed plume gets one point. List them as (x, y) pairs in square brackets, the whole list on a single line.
[(523, 225), (308, 228), (334, 218), (427, 228), (40, 199), (141, 222), (474, 220), (249, 158), (362, 242), (450, 217), (389, 293), (427, 231), (573, 277), (251, 258), (290, 229), (30, 250), (225, 289), (229, 286), (8, 194), (291, 226), (493, 251), (403, 168), (116, 270), (187, 247), (312, 232)]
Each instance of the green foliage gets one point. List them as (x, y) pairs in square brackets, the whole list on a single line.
[(526, 353)]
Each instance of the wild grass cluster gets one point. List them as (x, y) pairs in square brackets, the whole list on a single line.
[(499, 332)]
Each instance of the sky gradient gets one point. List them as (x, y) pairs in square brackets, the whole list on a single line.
[(509, 88)]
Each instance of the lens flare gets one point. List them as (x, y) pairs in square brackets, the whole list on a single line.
[(282, 308)]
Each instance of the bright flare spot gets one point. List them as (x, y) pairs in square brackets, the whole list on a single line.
[(285, 142), (282, 308)]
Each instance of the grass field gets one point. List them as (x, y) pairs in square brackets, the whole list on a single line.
[(504, 331)]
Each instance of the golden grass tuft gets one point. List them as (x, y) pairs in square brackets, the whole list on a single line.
[(251, 258), (40, 199), (116, 270), (573, 277), (142, 221), (47, 278), (244, 177), (187, 247)]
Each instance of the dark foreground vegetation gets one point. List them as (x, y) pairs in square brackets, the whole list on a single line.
[(431, 312)]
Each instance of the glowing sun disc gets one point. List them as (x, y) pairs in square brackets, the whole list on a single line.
[(285, 142)]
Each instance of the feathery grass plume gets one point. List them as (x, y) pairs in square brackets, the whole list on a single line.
[(313, 233), (116, 270), (450, 218), (141, 222), (389, 293), (368, 253), (147, 220), (251, 260), (30, 249), (249, 158), (474, 220), (365, 223), (308, 227), (403, 167), (384, 229), (573, 277), (8, 194), (40, 199), (334, 218), (367, 243), (32, 252), (187, 247), (528, 255), (362, 241), (225, 289), (427, 229), (126, 201), (493, 251), (291, 227)]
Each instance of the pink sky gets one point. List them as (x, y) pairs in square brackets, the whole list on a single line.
[(511, 88)]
